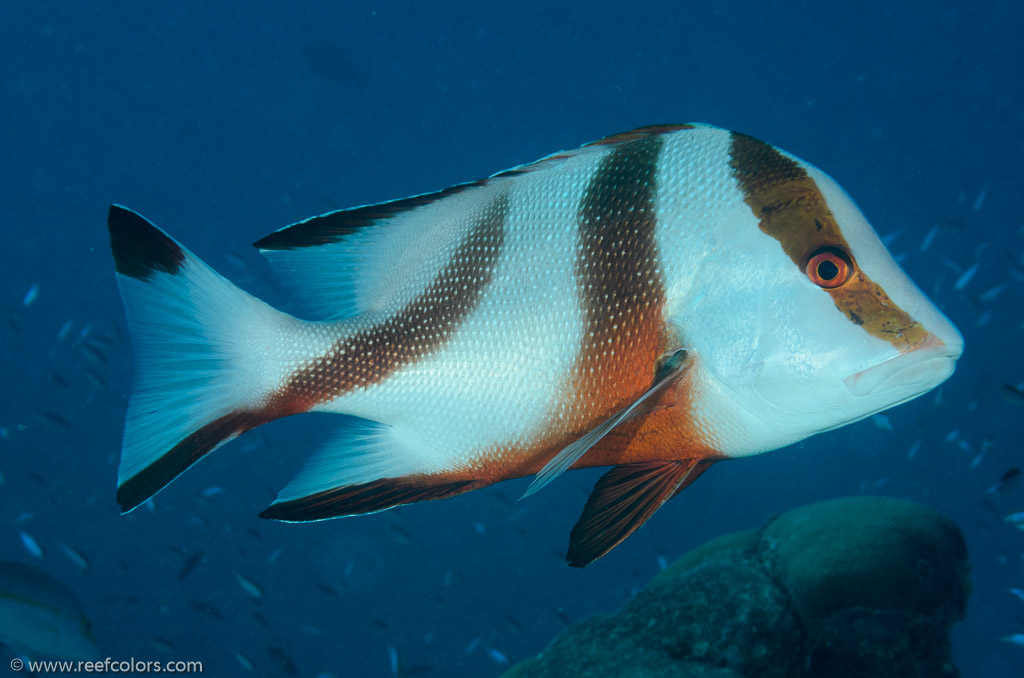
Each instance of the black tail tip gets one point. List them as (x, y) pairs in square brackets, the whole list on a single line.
[(296, 511), (130, 496), (268, 513), (139, 247)]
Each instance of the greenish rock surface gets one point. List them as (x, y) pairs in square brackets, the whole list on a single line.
[(861, 586)]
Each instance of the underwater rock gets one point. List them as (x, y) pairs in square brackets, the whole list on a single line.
[(861, 586)]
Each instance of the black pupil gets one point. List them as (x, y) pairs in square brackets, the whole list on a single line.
[(827, 270)]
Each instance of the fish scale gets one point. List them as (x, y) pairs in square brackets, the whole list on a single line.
[(654, 301)]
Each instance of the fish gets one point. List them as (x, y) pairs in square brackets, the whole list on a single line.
[(914, 448), (40, 616), (655, 301), (244, 661), (76, 557), (31, 295), (882, 421), (92, 354), (1016, 519), (98, 381), (928, 238), (992, 293), (54, 420), (328, 589), (190, 564), (399, 534), (979, 200), (251, 588), (497, 656), (65, 329), (30, 544), (393, 661), (965, 277), (1013, 392), (1014, 638), (1006, 483), (205, 608), (281, 659)]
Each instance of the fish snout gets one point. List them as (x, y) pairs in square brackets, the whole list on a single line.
[(912, 372)]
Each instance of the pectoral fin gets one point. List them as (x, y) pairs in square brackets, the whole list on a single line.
[(670, 369), (622, 500)]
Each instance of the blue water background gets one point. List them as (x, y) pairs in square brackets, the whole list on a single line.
[(224, 121)]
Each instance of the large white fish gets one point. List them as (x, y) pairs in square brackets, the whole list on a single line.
[(655, 301)]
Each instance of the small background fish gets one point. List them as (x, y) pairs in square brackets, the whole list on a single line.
[(213, 123)]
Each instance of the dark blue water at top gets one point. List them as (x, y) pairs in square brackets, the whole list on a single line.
[(223, 123)]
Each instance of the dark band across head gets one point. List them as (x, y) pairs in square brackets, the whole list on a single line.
[(790, 207)]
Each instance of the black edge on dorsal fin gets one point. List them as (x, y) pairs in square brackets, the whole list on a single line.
[(333, 226), (640, 133), (139, 247), (623, 499), (371, 497)]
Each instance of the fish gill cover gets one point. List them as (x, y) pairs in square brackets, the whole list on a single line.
[(223, 126)]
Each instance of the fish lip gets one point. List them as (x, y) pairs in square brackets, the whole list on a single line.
[(924, 368)]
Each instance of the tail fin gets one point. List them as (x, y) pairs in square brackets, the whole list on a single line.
[(191, 328)]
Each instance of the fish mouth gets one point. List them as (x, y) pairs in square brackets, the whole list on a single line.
[(910, 374)]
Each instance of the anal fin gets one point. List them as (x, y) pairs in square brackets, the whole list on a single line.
[(371, 497), (368, 467), (623, 499)]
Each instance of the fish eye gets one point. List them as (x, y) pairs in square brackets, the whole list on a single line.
[(829, 268)]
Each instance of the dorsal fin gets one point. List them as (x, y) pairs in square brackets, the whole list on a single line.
[(351, 261), (365, 258), (375, 257), (331, 227)]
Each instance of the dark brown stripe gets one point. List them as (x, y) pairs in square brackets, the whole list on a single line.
[(416, 331), (139, 247), (621, 291), (370, 497), (789, 207), (179, 458)]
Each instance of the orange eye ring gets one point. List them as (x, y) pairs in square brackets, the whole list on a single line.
[(829, 268)]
